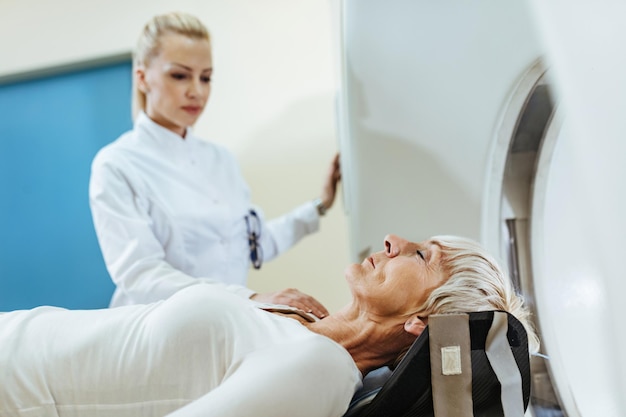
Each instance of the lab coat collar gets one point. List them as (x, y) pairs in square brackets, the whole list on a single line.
[(158, 132)]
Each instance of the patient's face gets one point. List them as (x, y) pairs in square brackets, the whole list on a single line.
[(398, 279)]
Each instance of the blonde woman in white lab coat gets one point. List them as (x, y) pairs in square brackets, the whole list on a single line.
[(172, 210)]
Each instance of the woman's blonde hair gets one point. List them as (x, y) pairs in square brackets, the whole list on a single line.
[(476, 283), (149, 43)]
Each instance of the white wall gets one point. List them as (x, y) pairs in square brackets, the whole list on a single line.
[(272, 101)]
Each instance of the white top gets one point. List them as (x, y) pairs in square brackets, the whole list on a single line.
[(202, 352), (169, 213)]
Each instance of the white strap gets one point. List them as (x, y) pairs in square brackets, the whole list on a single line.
[(504, 366)]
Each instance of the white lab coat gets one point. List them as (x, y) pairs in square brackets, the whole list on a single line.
[(169, 213), (202, 352)]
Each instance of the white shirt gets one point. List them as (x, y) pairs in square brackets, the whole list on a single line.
[(170, 212), (202, 352)]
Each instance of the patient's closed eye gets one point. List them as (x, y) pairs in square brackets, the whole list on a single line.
[(421, 255)]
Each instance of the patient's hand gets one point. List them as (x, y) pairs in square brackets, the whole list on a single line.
[(293, 298)]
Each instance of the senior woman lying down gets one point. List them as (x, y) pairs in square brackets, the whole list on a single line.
[(205, 352)]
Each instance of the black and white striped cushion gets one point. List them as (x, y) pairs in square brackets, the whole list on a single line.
[(500, 374)]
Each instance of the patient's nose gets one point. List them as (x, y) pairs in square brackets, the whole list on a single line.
[(394, 245)]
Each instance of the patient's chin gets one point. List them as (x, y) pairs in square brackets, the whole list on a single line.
[(351, 272)]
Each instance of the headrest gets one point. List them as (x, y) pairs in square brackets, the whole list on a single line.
[(408, 391)]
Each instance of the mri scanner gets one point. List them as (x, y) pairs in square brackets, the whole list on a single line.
[(501, 121)]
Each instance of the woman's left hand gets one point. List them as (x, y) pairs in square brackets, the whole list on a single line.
[(293, 298), (329, 189)]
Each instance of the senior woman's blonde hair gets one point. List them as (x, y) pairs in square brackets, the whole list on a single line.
[(149, 44), (476, 283)]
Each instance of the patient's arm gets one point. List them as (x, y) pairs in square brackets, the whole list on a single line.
[(311, 379)]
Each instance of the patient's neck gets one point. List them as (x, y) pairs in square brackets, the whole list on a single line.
[(372, 342)]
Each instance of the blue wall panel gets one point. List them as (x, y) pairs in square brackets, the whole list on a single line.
[(50, 130)]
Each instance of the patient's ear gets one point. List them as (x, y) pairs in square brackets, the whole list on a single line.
[(415, 325)]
